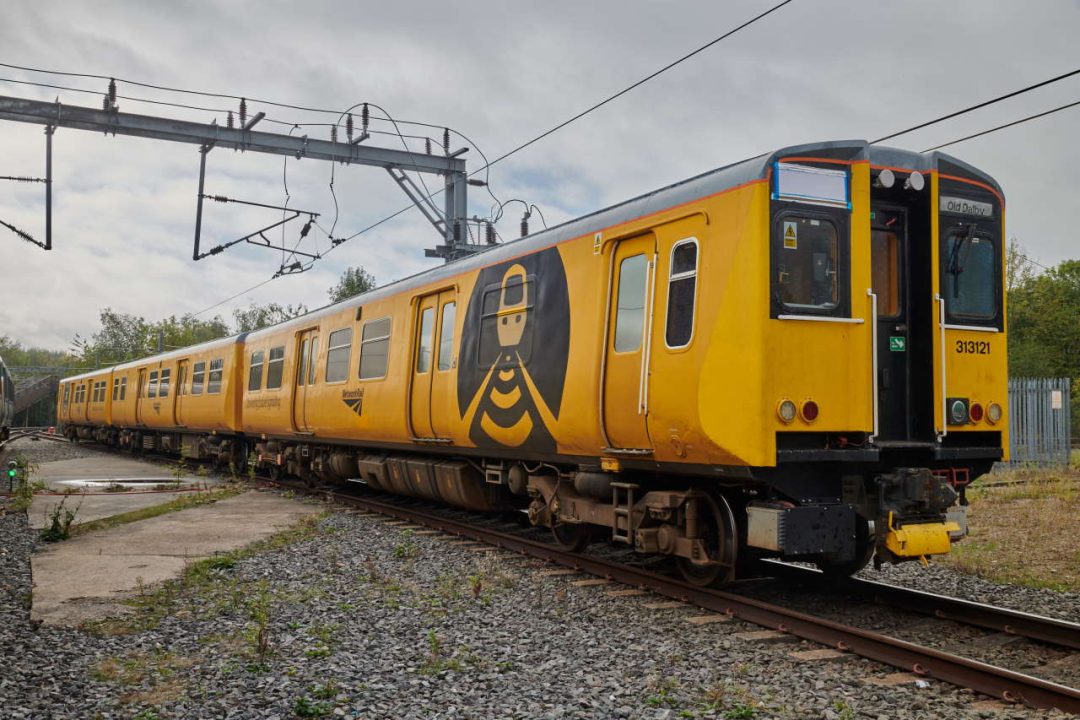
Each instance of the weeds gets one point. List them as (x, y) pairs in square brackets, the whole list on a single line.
[(257, 632), (115, 487), (58, 522), (183, 502), (305, 707), (435, 663), (407, 548)]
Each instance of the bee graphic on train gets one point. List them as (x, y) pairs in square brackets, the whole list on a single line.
[(510, 383)]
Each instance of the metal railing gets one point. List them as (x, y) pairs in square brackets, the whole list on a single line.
[(1039, 420)]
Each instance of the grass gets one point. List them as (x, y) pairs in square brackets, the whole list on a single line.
[(208, 588), (1019, 529), (181, 503)]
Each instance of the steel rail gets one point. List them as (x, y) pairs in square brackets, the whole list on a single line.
[(1051, 631), (978, 676)]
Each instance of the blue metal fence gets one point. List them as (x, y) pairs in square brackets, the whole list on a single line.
[(1039, 420)]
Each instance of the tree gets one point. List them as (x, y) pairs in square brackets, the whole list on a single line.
[(124, 337), (256, 317), (353, 282)]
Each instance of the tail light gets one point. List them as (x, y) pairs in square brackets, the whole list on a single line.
[(810, 411), (993, 413), (786, 411), (976, 412)]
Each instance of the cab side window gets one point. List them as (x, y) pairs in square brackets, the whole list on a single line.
[(682, 293)]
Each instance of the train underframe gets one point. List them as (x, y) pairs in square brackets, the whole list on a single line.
[(838, 515)]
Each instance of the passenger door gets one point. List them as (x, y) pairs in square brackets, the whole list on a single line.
[(423, 365), (627, 342), (182, 372), (140, 397), (307, 358), (889, 262)]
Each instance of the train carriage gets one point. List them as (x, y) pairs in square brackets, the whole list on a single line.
[(801, 355)]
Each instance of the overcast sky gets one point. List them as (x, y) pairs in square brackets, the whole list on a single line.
[(499, 72)]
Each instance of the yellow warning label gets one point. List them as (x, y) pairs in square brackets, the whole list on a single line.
[(791, 236)]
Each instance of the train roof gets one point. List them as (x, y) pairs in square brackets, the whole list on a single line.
[(707, 183)]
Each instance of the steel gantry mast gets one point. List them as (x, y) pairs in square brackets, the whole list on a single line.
[(450, 221)]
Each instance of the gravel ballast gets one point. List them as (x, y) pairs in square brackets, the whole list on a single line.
[(361, 618)]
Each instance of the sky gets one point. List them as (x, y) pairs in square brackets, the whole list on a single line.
[(499, 73)]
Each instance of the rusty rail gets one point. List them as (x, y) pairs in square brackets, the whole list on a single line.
[(984, 678)]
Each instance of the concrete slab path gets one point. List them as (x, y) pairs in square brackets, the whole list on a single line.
[(88, 477), (86, 578)]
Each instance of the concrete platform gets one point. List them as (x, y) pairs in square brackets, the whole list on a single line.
[(88, 477), (86, 578)]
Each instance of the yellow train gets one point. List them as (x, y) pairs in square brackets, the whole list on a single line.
[(801, 355)]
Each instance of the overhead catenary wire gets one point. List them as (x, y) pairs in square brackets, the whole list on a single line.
[(1036, 116)]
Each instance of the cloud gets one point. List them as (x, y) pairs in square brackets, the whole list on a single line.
[(501, 73)]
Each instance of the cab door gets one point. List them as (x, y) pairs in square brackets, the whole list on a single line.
[(307, 360), (629, 329), (182, 370), (423, 367)]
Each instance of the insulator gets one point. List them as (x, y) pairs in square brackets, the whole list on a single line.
[(349, 127), (489, 232), (364, 117), (243, 112), (457, 231), (229, 121), (105, 105), (427, 145), (525, 225), (333, 133), (112, 91), (446, 140)]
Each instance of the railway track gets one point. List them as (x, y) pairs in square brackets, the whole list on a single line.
[(988, 679)]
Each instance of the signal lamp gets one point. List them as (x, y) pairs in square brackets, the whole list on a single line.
[(810, 411), (993, 413), (915, 182), (958, 412), (885, 179), (976, 412), (786, 411)]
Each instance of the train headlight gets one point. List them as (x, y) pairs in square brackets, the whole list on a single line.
[(958, 411), (809, 411), (786, 411), (915, 181), (976, 412), (993, 413), (885, 179)]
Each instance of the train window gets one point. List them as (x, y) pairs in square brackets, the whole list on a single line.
[(971, 270), (313, 360), (446, 336), (808, 262), (163, 386), (301, 368), (630, 307), (426, 341), (375, 349), (255, 371), (115, 389), (198, 375), (181, 379), (123, 388), (885, 266), (275, 367), (337, 355), (213, 383), (682, 289), (67, 394), (151, 388)]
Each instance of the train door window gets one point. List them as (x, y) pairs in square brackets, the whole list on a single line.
[(682, 290), (181, 379), (337, 355), (630, 307), (213, 382), (163, 385), (446, 336), (67, 394), (275, 367), (971, 271), (426, 340), (313, 360), (375, 349), (198, 376), (301, 367), (123, 388), (115, 389), (255, 372), (885, 251), (151, 387), (808, 262)]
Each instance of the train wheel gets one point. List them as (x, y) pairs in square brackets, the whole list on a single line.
[(719, 533), (572, 537)]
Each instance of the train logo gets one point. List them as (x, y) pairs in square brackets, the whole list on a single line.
[(514, 353)]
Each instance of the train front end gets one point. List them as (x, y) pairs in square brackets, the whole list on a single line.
[(885, 353)]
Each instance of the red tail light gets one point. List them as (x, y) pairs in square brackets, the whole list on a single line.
[(810, 411), (976, 412)]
